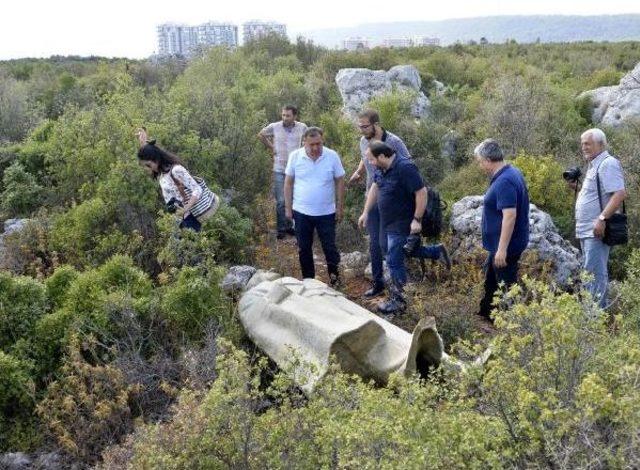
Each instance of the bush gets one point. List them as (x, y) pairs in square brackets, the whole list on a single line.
[(22, 302), (556, 384), (16, 400), (58, 284), (87, 408), (21, 194)]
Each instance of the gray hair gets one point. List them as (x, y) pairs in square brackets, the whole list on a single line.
[(489, 149), (313, 131), (596, 134)]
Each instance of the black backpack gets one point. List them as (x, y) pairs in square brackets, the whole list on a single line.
[(432, 218)]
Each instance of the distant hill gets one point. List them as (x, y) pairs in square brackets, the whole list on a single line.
[(554, 28)]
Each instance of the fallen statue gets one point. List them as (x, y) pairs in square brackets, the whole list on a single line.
[(302, 325)]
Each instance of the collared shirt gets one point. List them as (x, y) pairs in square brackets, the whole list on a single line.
[(587, 204), (285, 141), (397, 186), (392, 141), (314, 187), (507, 190)]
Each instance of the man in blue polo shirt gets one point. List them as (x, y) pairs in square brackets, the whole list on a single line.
[(401, 198), (314, 198), (505, 220)]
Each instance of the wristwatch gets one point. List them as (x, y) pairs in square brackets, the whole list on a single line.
[(601, 217)]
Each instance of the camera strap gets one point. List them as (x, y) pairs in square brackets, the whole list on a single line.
[(624, 209)]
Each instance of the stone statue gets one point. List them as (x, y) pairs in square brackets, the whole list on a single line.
[(301, 325)]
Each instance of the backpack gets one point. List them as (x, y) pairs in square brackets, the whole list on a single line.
[(432, 218)]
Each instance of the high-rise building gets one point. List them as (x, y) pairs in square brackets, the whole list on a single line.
[(184, 40), (218, 34), (255, 29), (355, 44)]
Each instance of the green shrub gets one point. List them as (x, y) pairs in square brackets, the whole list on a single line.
[(16, 401), (22, 302), (22, 193), (58, 284)]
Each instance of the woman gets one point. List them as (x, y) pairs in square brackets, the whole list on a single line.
[(179, 188)]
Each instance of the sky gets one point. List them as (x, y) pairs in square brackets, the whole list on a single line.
[(126, 28)]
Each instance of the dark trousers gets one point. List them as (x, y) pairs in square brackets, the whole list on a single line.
[(325, 225), (493, 277), (191, 222), (377, 244)]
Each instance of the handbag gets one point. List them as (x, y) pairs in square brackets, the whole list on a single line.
[(615, 228), (208, 202)]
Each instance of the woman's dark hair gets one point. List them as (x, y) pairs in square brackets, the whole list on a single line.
[(165, 160)]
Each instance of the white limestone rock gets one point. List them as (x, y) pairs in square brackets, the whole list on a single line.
[(466, 217)]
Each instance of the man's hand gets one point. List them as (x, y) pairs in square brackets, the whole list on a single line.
[(355, 177), (141, 134), (339, 213), (416, 226), (500, 259), (362, 220), (288, 213), (598, 228)]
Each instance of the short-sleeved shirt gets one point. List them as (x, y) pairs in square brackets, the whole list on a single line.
[(314, 187), (392, 141), (285, 141), (587, 204), (169, 188), (507, 190), (397, 186)]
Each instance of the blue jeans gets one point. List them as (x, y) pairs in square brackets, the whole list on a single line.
[(596, 258), (283, 224), (395, 256), (325, 225), (377, 244)]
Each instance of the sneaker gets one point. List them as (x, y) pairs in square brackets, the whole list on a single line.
[(444, 257), (392, 306), (375, 290)]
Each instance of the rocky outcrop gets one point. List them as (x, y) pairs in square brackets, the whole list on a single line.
[(466, 217), (301, 325), (613, 105), (358, 86), (237, 278)]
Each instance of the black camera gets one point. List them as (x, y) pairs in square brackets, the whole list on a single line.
[(172, 206), (411, 245), (572, 175)]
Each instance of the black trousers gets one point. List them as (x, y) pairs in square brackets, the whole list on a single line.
[(325, 225), (493, 277)]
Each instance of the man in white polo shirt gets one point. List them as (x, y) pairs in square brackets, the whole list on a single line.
[(314, 198)]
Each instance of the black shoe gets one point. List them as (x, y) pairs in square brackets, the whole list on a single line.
[(290, 231), (375, 290), (444, 257), (334, 281), (392, 306), (281, 235)]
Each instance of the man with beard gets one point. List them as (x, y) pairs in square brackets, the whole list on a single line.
[(371, 130)]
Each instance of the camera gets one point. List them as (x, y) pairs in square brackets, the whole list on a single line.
[(172, 206), (572, 175), (411, 245)]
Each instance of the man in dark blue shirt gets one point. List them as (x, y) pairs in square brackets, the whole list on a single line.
[(401, 197), (505, 220)]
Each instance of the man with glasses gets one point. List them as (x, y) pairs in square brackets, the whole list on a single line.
[(371, 130)]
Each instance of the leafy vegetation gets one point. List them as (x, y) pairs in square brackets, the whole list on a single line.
[(118, 347)]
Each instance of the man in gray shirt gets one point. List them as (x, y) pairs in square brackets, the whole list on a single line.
[(282, 138), (591, 216), (370, 128)]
